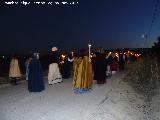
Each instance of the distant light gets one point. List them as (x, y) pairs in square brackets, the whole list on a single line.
[(3, 57), (137, 55), (131, 53), (63, 56), (144, 36), (116, 54)]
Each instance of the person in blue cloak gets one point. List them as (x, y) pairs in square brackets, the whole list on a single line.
[(35, 78)]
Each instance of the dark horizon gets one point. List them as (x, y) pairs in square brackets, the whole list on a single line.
[(120, 50)]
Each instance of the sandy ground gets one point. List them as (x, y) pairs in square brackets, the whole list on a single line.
[(155, 106), (112, 101)]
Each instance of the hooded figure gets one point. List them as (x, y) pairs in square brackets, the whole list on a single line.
[(35, 78)]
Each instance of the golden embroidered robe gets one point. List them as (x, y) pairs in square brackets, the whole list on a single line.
[(82, 74)]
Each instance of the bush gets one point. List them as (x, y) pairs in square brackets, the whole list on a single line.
[(144, 76)]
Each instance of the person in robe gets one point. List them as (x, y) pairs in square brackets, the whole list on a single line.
[(75, 59), (100, 67), (66, 66), (35, 77), (27, 67), (114, 65), (54, 75), (14, 71), (109, 60), (121, 62), (82, 80)]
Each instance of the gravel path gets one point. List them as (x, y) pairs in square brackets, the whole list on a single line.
[(112, 101)]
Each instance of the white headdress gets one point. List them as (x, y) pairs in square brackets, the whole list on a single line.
[(54, 48)]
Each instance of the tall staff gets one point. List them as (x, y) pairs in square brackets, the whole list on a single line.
[(89, 47), (72, 54)]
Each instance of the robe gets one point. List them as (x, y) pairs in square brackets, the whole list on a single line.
[(100, 68), (14, 71), (66, 69), (27, 67), (54, 75), (35, 78), (82, 80)]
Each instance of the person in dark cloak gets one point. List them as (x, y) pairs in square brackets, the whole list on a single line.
[(100, 66), (35, 78), (121, 62), (67, 66)]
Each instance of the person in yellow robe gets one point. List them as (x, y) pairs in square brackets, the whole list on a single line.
[(82, 80)]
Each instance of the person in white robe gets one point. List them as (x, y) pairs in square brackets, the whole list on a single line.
[(54, 75)]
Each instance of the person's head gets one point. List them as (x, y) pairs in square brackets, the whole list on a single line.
[(36, 55), (14, 56), (75, 54), (100, 50), (70, 56), (83, 52), (54, 49)]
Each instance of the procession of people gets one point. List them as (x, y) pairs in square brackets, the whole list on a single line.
[(84, 68)]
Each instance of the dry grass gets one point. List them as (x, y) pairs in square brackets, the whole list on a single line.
[(144, 76)]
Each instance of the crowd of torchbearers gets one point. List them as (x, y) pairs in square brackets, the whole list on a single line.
[(83, 67)]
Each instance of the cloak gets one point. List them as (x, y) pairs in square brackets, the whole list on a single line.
[(35, 78)]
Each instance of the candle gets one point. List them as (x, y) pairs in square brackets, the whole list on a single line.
[(72, 54), (89, 47)]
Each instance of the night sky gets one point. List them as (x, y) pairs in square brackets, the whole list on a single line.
[(103, 23)]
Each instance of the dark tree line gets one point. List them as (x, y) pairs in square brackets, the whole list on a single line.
[(156, 48)]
